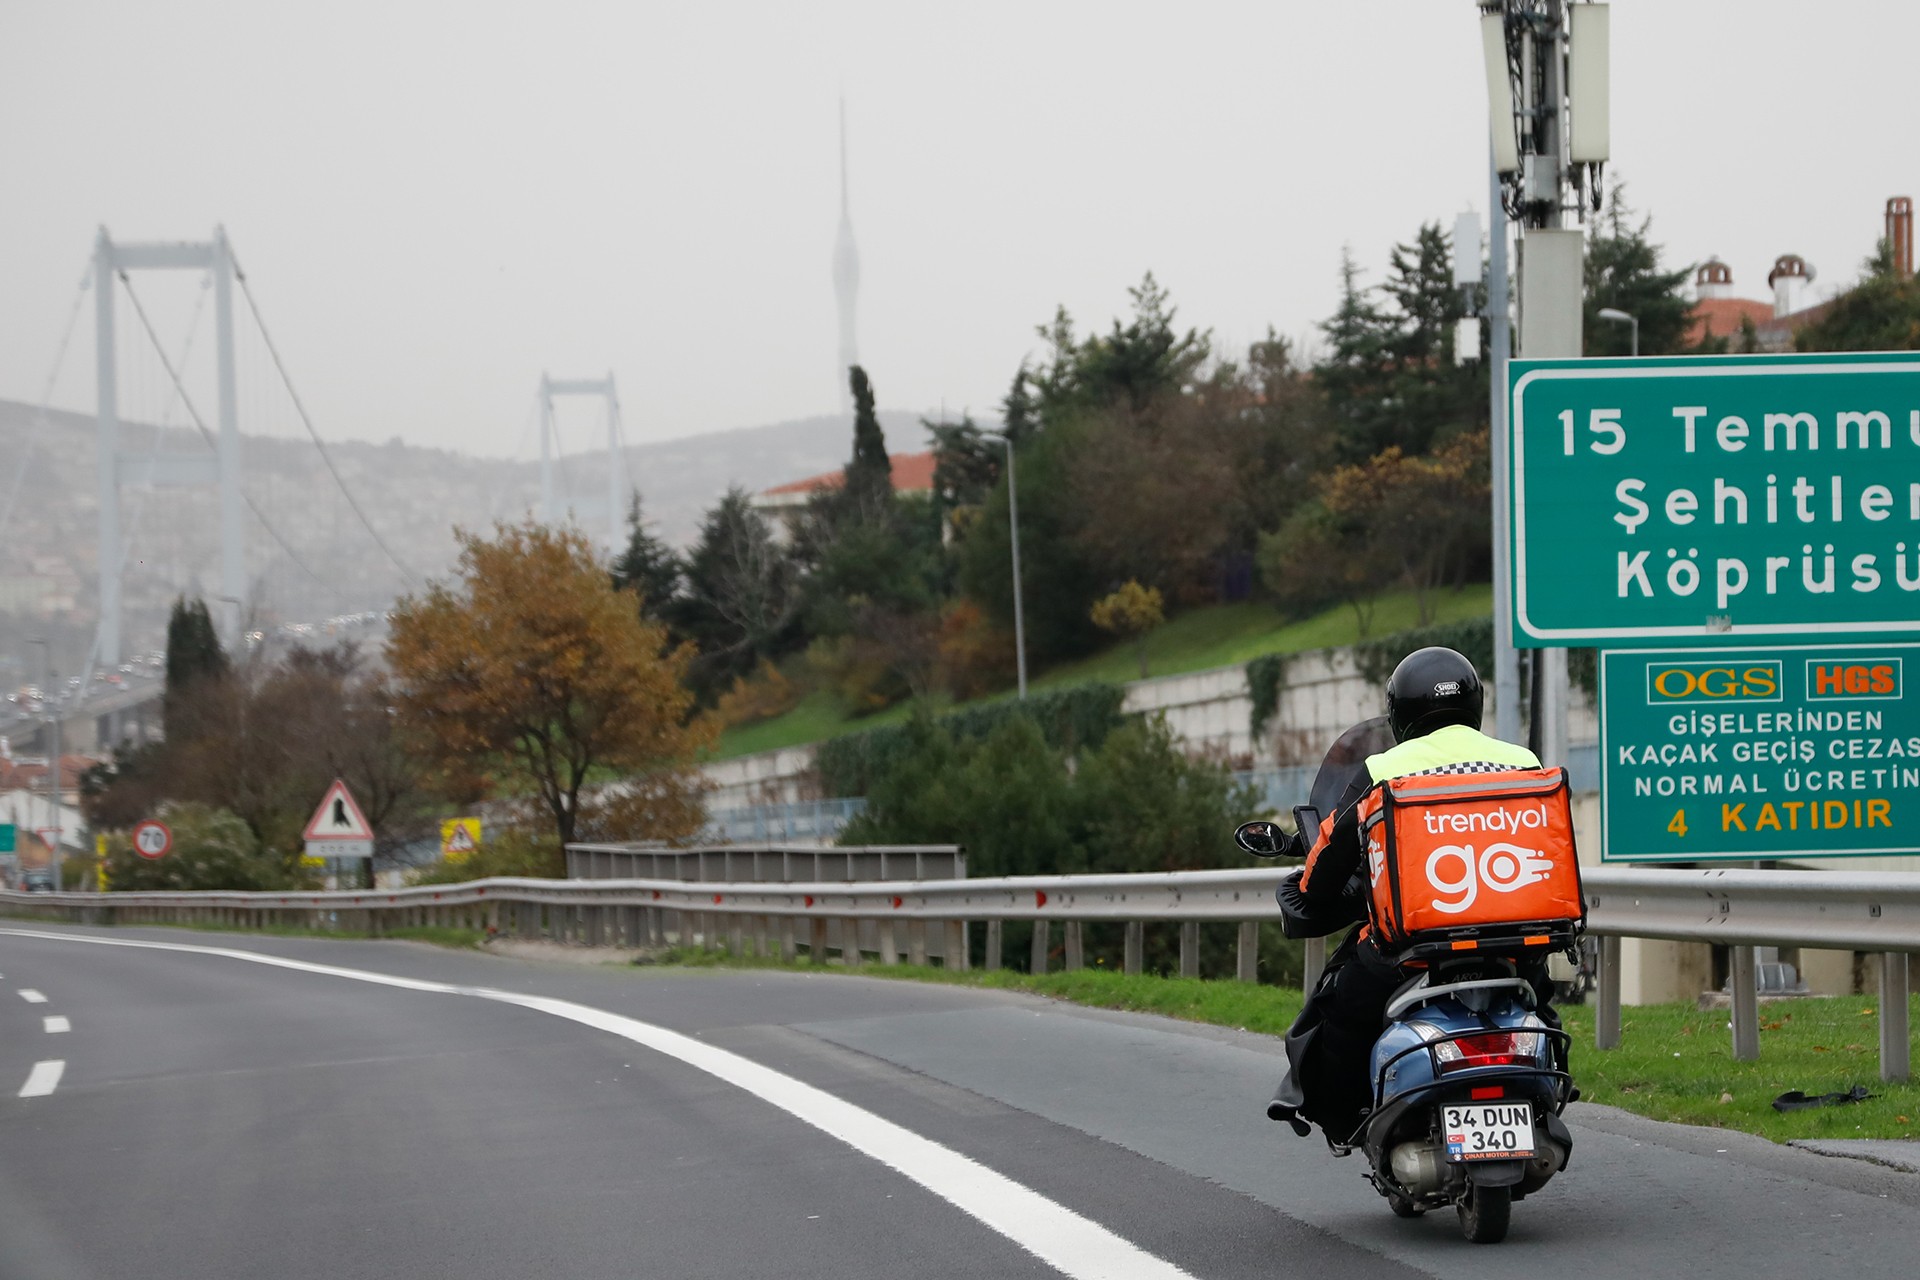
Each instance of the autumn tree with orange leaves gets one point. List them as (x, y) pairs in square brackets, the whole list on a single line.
[(531, 667)]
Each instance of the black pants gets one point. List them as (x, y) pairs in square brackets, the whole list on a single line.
[(1350, 1007)]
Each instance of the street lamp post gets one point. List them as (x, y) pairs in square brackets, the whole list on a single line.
[(1013, 521), (1621, 317), (53, 757)]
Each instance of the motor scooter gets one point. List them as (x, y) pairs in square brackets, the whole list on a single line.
[(1468, 1081)]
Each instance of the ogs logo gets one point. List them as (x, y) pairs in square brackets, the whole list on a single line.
[(1713, 682)]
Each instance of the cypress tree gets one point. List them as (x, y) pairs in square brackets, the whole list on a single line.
[(869, 485), (194, 655)]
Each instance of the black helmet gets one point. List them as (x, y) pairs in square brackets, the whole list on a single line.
[(1433, 687)]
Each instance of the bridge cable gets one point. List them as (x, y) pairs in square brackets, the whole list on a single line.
[(41, 421), (187, 400), (273, 350)]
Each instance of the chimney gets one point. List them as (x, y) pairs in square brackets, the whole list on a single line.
[(1714, 279), (1788, 279), (1900, 235)]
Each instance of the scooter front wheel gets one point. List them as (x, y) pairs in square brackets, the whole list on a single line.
[(1485, 1213)]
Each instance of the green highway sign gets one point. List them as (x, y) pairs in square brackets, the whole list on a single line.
[(1738, 753), (1714, 498), (6, 837)]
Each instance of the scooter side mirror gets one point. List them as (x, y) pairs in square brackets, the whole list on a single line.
[(1261, 838)]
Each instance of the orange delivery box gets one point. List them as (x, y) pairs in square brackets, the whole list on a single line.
[(1462, 861)]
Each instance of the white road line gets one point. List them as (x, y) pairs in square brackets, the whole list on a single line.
[(55, 1024), (31, 996), (43, 1078), (1075, 1246)]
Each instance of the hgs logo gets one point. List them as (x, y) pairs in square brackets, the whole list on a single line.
[(1502, 868)]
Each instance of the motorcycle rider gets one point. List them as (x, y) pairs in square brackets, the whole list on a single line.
[(1434, 704)]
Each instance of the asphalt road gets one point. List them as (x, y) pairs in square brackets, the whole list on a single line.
[(222, 1118)]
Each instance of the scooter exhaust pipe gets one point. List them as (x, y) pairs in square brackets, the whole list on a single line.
[(1417, 1167)]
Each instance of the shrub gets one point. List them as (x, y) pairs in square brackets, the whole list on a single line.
[(1071, 719)]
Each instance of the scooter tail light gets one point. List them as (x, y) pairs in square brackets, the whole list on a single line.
[(1488, 1049)]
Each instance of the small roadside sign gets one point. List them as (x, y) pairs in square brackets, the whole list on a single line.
[(338, 829), (459, 838), (152, 839), (6, 837)]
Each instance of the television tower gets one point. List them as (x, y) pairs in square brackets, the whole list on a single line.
[(846, 275)]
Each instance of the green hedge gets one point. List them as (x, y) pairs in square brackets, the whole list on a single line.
[(1072, 720)]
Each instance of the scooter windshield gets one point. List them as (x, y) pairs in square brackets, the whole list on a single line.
[(1345, 760)]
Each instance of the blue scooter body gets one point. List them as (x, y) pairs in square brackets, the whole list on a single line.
[(1463, 1040)]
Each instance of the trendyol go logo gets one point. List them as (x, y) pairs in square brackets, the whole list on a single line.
[(1500, 867)]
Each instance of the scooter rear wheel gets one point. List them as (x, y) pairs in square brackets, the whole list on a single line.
[(1485, 1213)]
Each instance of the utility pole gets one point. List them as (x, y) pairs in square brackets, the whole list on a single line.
[(1506, 659), (1546, 64), (1013, 521), (53, 756)]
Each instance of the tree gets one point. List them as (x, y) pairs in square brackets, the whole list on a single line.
[(194, 658), (1623, 272), (965, 463), (742, 600), (1881, 313), (1355, 373), (647, 566), (1393, 519), (869, 474), (1132, 611), (261, 743), (532, 659), (1133, 365)]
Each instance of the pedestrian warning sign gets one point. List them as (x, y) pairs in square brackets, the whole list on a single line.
[(459, 838), (338, 829)]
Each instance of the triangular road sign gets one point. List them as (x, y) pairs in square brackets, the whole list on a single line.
[(338, 817), (461, 841)]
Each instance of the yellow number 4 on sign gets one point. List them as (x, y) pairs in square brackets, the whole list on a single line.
[(459, 838)]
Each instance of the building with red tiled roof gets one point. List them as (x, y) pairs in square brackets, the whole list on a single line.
[(912, 473), (1718, 314)]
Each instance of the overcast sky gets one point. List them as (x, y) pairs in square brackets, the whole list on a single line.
[(435, 202)]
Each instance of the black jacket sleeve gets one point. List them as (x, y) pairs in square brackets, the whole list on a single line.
[(1330, 892)]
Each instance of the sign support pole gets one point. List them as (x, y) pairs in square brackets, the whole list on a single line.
[(1506, 659)]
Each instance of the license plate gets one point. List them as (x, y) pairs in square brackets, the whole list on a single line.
[(1488, 1131)]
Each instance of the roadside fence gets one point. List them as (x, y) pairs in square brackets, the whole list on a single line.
[(920, 920)]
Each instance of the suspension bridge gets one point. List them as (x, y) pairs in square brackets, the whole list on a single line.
[(205, 484)]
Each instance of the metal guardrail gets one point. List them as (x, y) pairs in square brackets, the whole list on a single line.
[(1857, 911)]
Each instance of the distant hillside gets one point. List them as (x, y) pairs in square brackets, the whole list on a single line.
[(414, 496)]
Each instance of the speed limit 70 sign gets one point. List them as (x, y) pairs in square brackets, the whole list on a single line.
[(152, 839)]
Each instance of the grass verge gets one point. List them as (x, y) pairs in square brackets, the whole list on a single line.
[(437, 935), (1675, 1062)]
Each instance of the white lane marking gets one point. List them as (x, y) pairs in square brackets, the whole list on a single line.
[(55, 1024), (42, 1079), (31, 996), (1073, 1245)]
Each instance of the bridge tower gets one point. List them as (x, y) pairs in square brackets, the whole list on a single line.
[(116, 469), (550, 512)]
